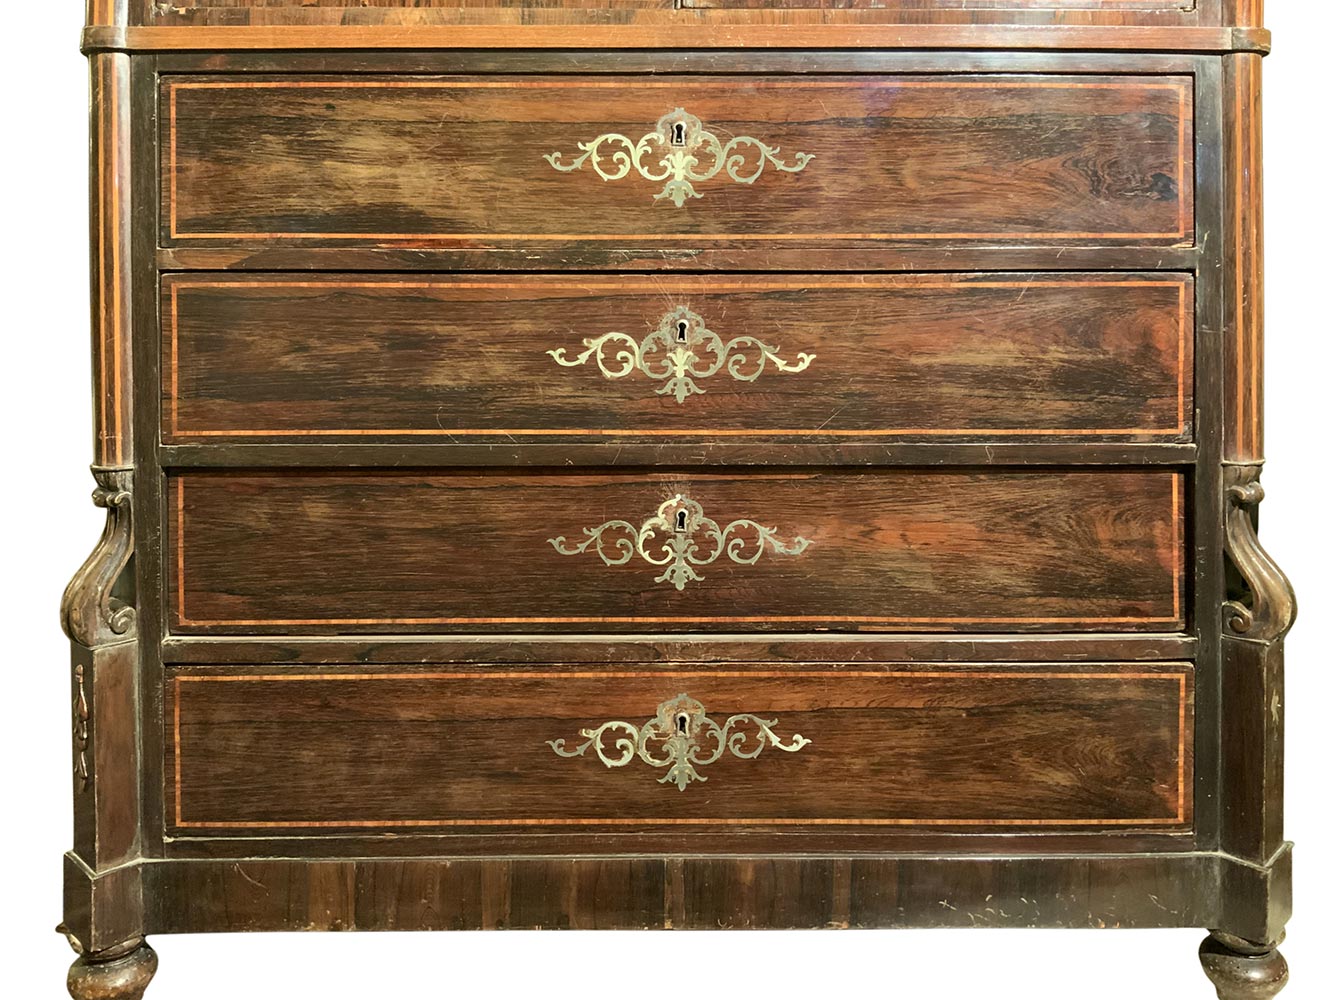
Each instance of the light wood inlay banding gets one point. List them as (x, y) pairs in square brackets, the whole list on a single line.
[(1244, 354), (110, 117)]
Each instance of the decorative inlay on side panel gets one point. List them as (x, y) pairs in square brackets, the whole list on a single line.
[(679, 736), (81, 729), (681, 349), (682, 153), (691, 539)]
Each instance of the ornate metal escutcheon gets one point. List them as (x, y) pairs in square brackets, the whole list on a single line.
[(688, 537), (680, 736), (682, 346), (686, 153)]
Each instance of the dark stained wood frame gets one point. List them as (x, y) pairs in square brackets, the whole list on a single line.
[(126, 879)]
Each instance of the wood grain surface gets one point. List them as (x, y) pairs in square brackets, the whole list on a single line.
[(703, 892), (889, 549), (1000, 356), (520, 29), (1011, 158), (1066, 746), (1243, 383), (356, 636), (263, 14), (109, 242)]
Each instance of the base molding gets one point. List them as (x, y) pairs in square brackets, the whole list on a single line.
[(626, 892), (705, 892), (1256, 899), (103, 910)]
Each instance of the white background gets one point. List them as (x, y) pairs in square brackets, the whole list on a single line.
[(50, 526)]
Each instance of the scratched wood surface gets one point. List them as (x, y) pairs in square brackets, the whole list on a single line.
[(1104, 746), (1034, 356), (889, 549), (1017, 159)]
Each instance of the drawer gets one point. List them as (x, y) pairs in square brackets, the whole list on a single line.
[(1034, 356), (391, 551), (786, 160), (265, 749)]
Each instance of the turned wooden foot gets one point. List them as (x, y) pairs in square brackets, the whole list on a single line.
[(1242, 970), (119, 974)]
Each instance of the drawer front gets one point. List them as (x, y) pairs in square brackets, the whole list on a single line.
[(1026, 355), (887, 550), (476, 162), (257, 748)]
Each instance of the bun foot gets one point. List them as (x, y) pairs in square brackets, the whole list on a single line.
[(121, 974), (1242, 970)]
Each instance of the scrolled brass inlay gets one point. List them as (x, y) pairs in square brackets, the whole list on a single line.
[(689, 538), (689, 154), (680, 736), (681, 349)]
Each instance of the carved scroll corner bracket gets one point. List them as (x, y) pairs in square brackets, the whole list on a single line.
[(1265, 607), (683, 152), (680, 736), (91, 612)]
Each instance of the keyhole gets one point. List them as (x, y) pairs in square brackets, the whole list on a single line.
[(678, 134), (683, 724), (682, 331), (680, 520)]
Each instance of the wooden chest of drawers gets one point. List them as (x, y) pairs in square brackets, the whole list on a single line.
[(597, 466)]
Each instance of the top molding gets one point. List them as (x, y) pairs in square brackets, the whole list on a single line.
[(684, 29), (368, 13), (1134, 25)]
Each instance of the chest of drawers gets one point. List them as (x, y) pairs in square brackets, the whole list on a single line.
[(669, 465)]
